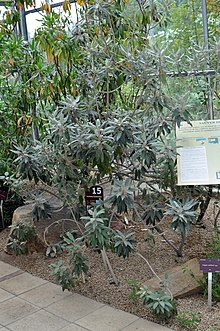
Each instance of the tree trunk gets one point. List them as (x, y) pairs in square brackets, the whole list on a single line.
[(204, 205)]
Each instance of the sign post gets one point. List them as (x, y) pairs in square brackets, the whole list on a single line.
[(210, 266), (210, 290)]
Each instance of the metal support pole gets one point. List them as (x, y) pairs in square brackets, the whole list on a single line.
[(24, 32), (206, 41), (23, 24)]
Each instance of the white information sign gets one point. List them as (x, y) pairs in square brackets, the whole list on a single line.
[(198, 152)]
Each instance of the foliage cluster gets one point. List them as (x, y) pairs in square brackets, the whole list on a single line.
[(161, 303), (66, 274), (21, 235)]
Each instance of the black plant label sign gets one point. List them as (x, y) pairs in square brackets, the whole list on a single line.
[(94, 194)]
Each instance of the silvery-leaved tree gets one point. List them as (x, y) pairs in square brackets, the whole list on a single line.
[(108, 115)]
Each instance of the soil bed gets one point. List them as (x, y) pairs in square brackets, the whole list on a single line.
[(99, 285)]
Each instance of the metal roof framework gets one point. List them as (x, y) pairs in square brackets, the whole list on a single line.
[(35, 9)]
